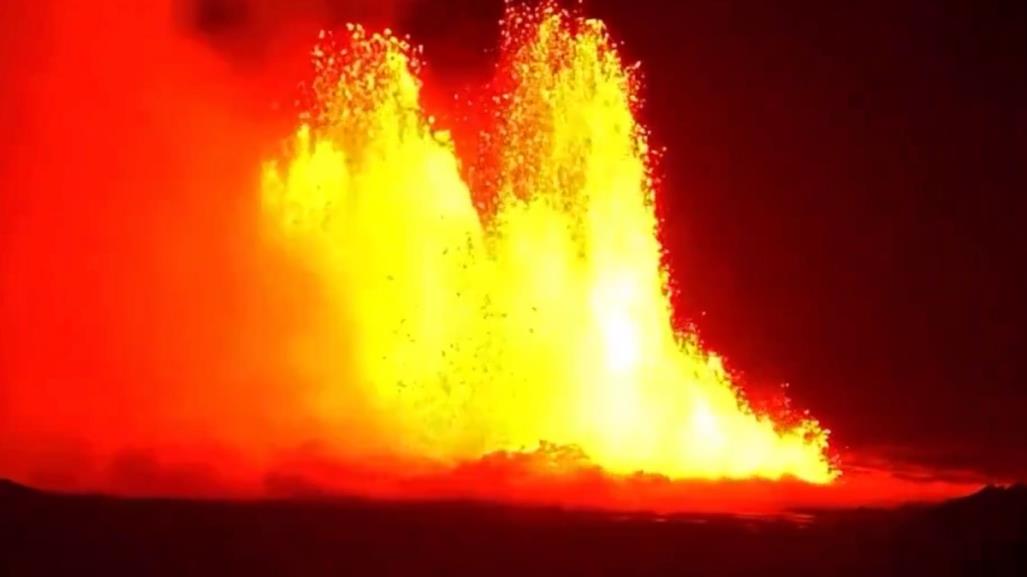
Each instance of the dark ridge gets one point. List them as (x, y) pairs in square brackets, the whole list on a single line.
[(45, 533), (9, 488), (1005, 508), (993, 498)]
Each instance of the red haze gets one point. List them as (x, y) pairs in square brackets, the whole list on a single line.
[(136, 309)]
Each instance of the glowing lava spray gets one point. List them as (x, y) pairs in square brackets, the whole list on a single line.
[(548, 321)]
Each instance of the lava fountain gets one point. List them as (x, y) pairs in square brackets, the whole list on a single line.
[(461, 328)]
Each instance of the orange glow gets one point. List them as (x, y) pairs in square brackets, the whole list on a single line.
[(547, 323)]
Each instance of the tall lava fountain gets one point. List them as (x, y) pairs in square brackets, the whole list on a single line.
[(447, 331)]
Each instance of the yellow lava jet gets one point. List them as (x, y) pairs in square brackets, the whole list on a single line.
[(546, 323)]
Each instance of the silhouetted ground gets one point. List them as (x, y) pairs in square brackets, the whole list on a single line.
[(49, 534)]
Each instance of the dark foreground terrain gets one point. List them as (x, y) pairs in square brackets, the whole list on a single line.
[(47, 534)]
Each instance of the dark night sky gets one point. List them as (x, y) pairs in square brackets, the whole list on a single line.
[(843, 200), (843, 193), (845, 197)]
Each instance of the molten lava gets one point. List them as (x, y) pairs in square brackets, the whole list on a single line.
[(451, 331)]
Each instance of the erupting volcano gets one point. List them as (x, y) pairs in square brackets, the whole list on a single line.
[(276, 301), (513, 300)]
